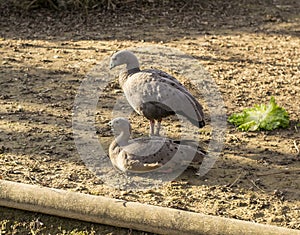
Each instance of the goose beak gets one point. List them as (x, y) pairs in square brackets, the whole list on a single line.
[(112, 65), (111, 127)]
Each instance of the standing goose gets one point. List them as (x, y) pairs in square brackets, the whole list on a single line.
[(154, 93), (146, 154)]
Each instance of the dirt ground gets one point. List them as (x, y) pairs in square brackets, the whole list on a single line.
[(250, 48)]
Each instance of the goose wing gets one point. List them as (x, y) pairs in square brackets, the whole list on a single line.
[(146, 154), (160, 89)]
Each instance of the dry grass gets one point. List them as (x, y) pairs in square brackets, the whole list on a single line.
[(71, 4), (61, 4)]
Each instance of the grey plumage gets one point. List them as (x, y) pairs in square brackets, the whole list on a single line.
[(147, 154), (154, 93)]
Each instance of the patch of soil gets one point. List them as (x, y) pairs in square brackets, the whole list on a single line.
[(250, 48)]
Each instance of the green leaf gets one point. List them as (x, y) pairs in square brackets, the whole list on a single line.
[(261, 117)]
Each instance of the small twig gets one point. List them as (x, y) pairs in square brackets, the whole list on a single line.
[(272, 173), (256, 185), (236, 138), (235, 181), (279, 172), (295, 144), (30, 4), (32, 179), (181, 9), (60, 183), (53, 4)]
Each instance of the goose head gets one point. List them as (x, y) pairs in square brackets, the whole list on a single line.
[(124, 57), (122, 129)]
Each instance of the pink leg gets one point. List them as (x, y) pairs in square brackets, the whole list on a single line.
[(158, 127), (152, 122), (168, 170)]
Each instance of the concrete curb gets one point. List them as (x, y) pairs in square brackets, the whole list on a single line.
[(120, 213)]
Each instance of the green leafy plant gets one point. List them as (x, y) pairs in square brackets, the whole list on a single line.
[(261, 117)]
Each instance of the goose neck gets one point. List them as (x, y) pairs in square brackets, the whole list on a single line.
[(132, 63), (123, 138)]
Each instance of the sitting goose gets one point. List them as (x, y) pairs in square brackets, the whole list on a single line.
[(154, 93), (146, 154)]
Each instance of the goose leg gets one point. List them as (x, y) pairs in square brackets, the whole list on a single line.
[(140, 167), (152, 122), (158, 127)]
